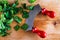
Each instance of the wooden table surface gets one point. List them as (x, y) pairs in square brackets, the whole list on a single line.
[(22, 35)]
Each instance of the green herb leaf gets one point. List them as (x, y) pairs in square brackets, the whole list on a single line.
[(8, 15), (3, 18), (14, 11), (17, 19), (24, 26), (14, 5), (21, 9), (32, 1), (30, 7), (16, 2), (0, 8), (3, 33), (2, 25), (25, 14), (7, 27), (17, 27), (3, 29), (10, 21), (4, 1), (6, 8)]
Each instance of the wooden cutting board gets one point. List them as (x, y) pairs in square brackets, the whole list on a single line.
[(22, 35)]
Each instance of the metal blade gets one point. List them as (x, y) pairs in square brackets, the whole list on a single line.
[(32, 15)]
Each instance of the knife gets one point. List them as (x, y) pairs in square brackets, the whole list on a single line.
[(32, 14)]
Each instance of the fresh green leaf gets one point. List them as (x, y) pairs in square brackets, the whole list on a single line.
[(6, 8), (4, 1), (10, 21), (21, 9), (17, 19), (14, 11), (25, 14), (3, 26), (17, 27), (16, 2), (0, 8), (24, 26), (8, 15), (3, 34), (7, 27), (0, 24), (3, 18), (14, 5), (30, 7), (32, 1), (5, 5)]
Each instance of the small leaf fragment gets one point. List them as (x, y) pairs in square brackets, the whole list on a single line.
[(0, 8), (3, 18), (17, 19), (30, 7), (8, 15), (17, 27), (25, 14), (31, 1), (10, 21), (21, 9), (24, 26)]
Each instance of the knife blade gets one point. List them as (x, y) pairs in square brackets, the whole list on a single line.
[(32, 14)]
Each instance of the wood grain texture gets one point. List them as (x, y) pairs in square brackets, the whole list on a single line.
[(45, 23)]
